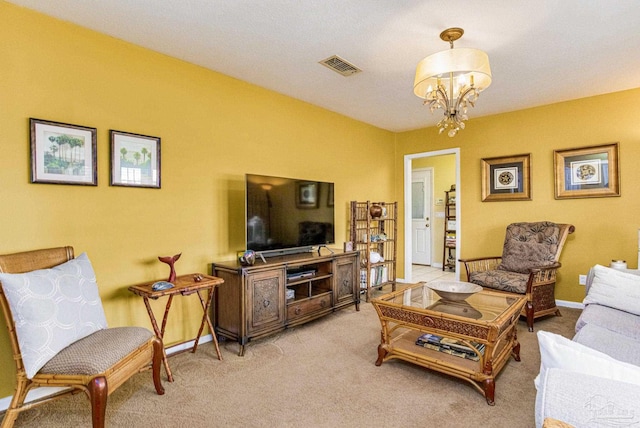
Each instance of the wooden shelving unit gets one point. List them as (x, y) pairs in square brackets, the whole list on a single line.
[(450, 238), (282, 292), (374, 234)]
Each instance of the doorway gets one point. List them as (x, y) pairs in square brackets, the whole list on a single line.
[(413, 164)]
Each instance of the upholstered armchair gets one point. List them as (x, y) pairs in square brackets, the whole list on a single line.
[(528, 266), (59, 335)]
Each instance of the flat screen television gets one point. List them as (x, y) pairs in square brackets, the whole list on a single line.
[(287, 215)]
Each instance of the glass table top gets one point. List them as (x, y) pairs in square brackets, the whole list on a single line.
[(484, 305)]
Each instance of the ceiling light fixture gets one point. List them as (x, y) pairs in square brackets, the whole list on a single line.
[(451, 80)]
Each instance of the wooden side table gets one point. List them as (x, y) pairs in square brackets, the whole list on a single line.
[(184, 285)]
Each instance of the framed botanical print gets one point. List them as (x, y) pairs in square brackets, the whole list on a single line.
[(135, 160), (62, 153), (587, 172), (506, 178)]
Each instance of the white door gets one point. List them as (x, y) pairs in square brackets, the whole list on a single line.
[(421, 216)]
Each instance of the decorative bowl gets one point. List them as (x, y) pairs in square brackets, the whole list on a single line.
[(453, 290)]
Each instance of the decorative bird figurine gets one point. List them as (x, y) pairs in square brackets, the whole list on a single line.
[(171, 261)]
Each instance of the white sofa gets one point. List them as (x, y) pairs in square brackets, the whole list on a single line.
[(594, 379)]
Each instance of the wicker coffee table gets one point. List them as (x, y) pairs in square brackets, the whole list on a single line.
[(484, 327)]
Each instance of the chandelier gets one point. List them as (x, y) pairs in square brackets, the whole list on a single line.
[(452, 80)]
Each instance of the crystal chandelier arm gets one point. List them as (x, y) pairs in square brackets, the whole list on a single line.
[(462, 99), (439, 99)]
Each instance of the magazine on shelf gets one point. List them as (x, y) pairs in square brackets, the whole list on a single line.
[(451, 346), (430, 338)]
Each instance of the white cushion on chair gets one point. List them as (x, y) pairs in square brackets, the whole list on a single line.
[(53, 308)]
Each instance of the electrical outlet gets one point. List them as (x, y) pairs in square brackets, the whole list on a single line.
[(582, 279)]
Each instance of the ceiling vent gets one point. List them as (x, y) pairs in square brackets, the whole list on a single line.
[(340, 66)]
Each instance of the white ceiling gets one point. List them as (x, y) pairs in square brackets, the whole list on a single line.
[(541, 51)]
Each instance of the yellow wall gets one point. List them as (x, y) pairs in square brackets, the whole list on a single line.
[(606, 228), (214, 129)]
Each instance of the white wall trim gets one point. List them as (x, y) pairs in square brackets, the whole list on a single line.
[(407, 203), (40, 393), (569, 304)]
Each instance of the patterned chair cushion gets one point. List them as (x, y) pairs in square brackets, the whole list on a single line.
[(529, 245), (97, 352), (513, 282)]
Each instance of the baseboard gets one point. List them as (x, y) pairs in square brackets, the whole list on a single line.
[(43, 392), (569, 304), (188, 345), (33, 395)]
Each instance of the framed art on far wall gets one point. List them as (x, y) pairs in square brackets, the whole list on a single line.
[(587, 172), (506, 178), (306, 194), (135, 160), (62, 153)]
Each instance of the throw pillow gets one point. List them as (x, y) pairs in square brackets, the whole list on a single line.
[(559, 352), (522, 256), (615, 289), (53, 308)]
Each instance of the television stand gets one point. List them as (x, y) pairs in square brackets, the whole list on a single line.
[(253, 302)]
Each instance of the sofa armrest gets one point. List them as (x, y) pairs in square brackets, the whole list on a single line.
[(586, 401)]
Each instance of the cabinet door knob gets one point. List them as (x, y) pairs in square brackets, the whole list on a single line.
[(297, 311), (323, 303), (266, 303)]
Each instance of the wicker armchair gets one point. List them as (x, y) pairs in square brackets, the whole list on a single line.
[(528, 266), (97, 363)]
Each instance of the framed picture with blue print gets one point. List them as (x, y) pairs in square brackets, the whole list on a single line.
[(587, 172), (135, 160), (506, 178)]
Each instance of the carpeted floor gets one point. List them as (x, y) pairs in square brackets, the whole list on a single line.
[(321, 374)]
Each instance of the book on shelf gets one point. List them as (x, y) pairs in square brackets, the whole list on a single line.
[(450, 238), (451, 346), (378, 275)]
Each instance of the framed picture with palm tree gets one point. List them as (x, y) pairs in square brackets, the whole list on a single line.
[(135, 160), (62, 153)]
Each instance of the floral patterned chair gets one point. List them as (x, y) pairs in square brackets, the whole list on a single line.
[(528, 266)]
